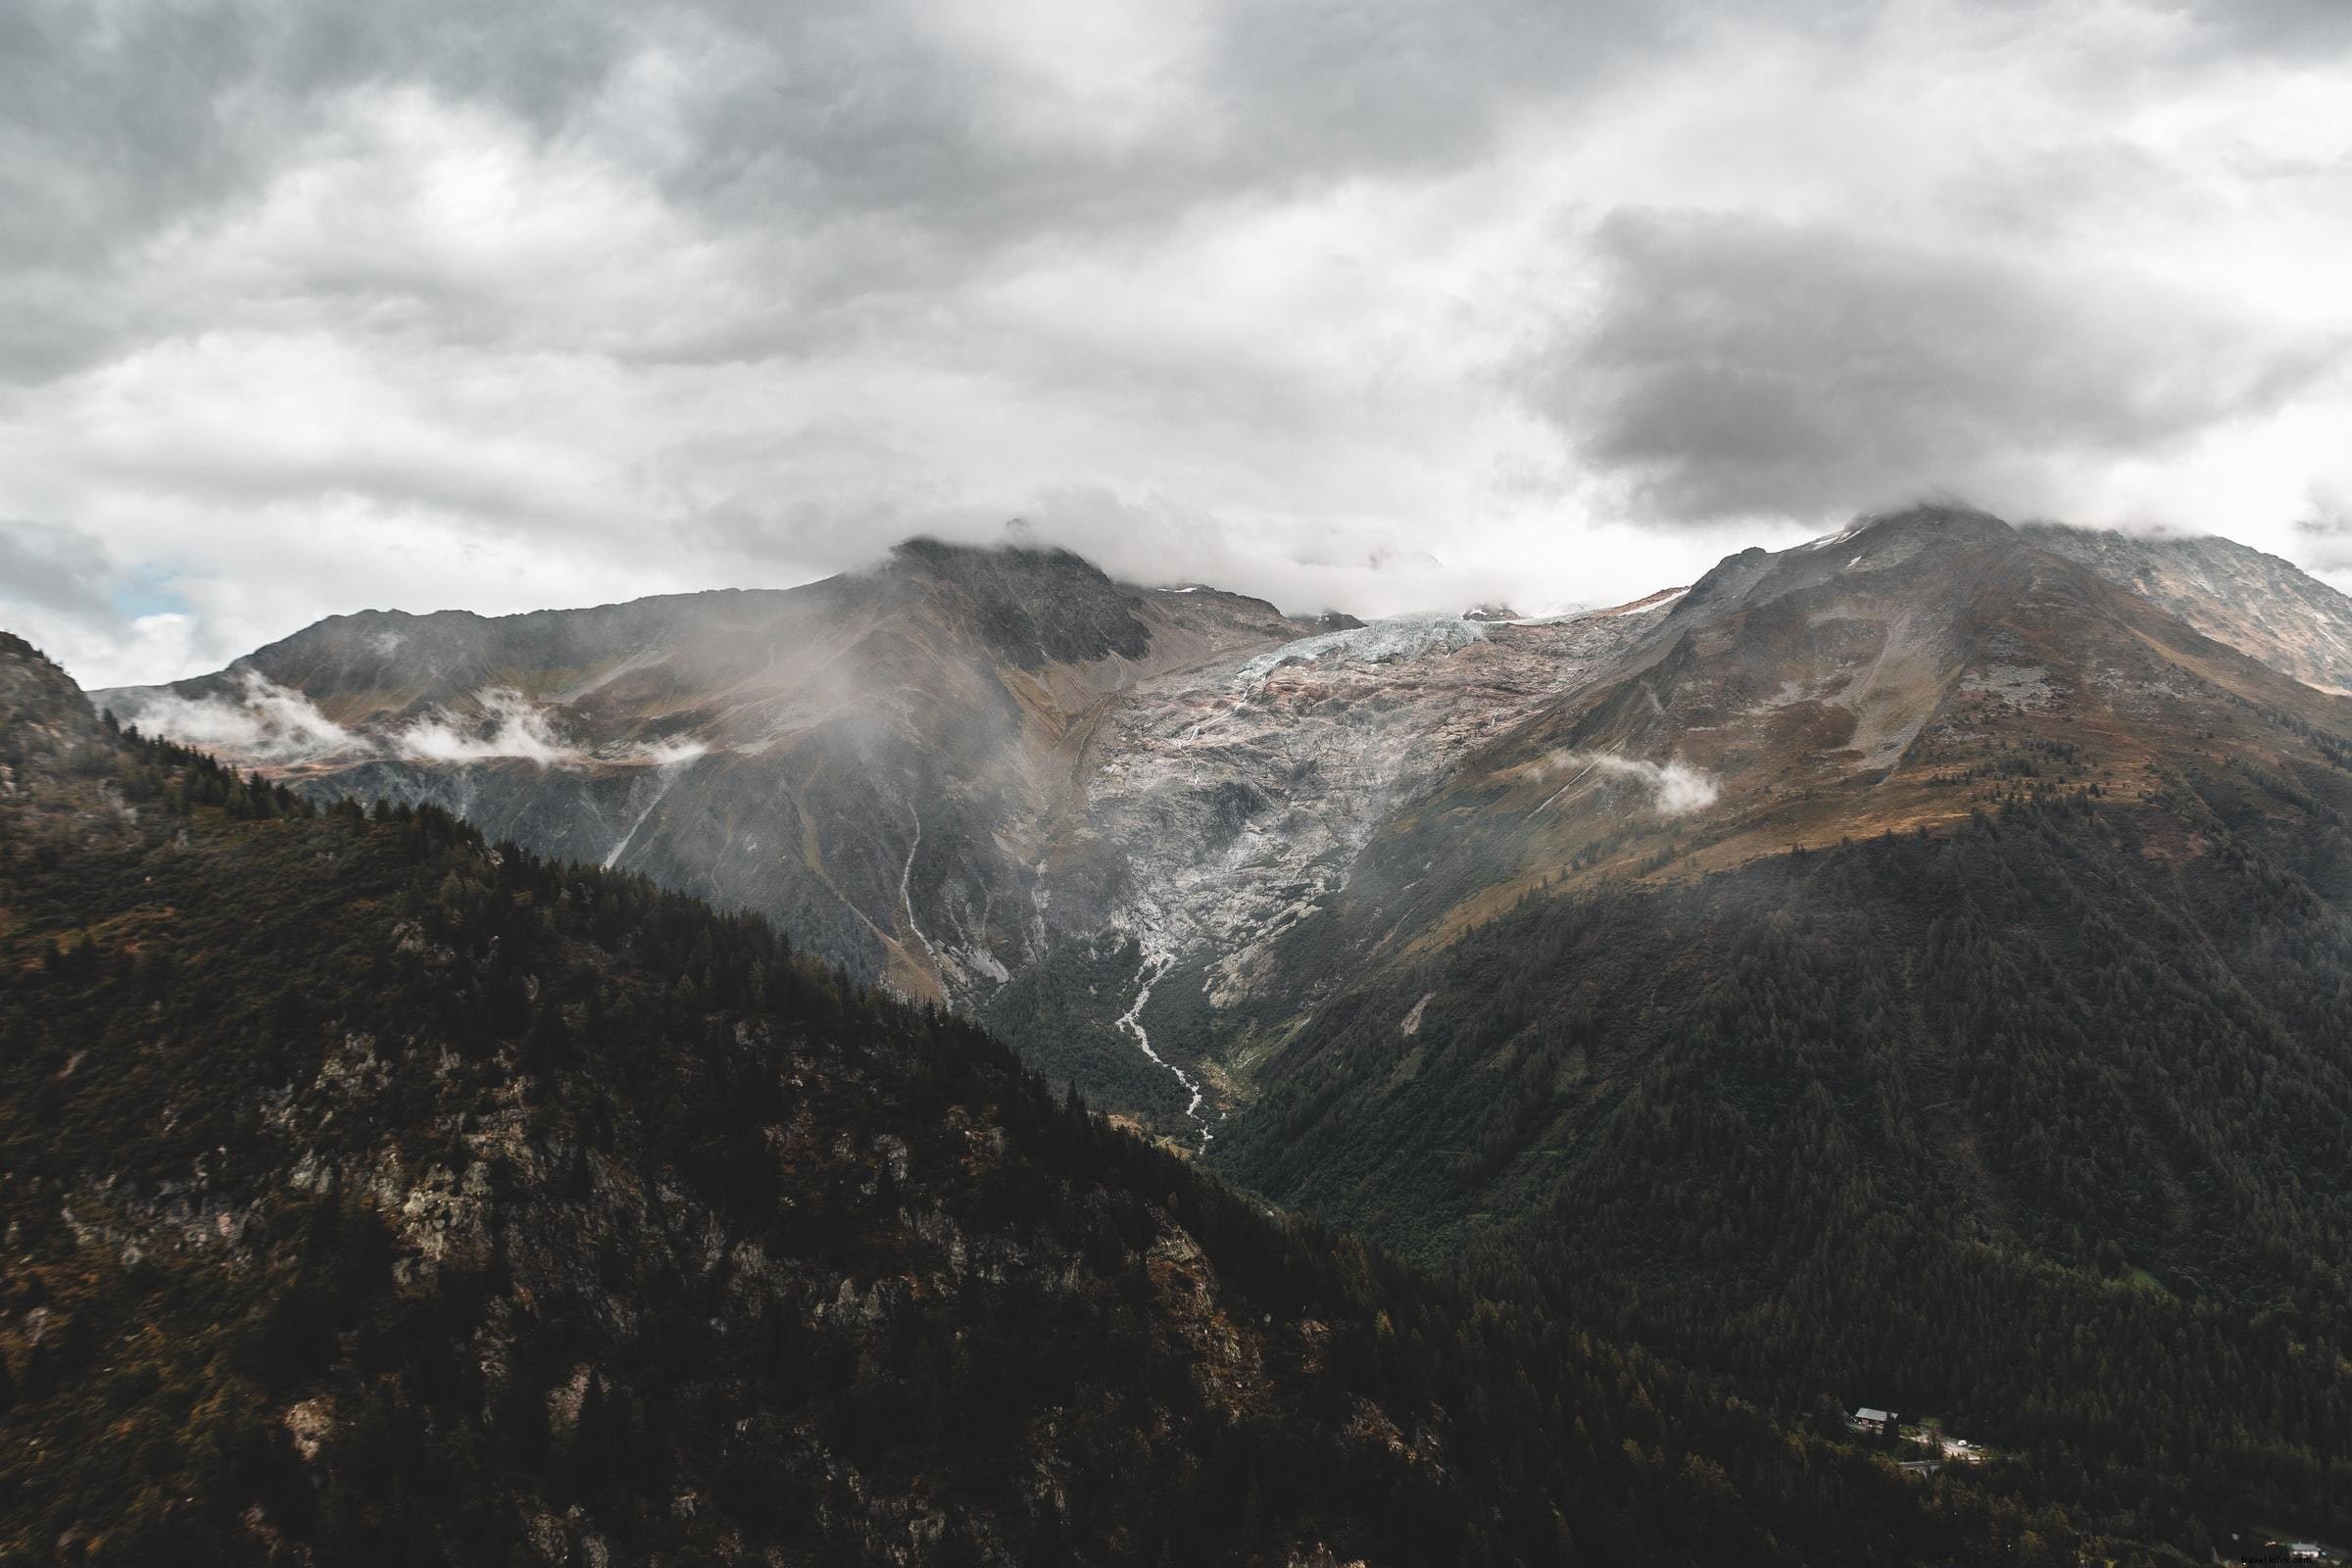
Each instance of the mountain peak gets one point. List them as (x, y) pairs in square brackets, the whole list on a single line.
[(1943, 519), (1032, 606), (927, 553)]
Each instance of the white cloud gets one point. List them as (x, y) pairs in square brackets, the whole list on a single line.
[(510, 727), (1676, 789), (262, 722), (666, 754), (482, 312)]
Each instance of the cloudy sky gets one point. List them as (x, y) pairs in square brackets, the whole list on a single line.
[(307, 308)]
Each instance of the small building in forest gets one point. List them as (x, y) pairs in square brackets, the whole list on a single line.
[(1878, 1422)]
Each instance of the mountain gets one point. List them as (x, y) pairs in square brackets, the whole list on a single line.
[(47, 717), (1904, 969), (2259, 605), (1857, 683), (1919, 967), (996, 778), (1093, 813), (375, 1192), (786, 752)]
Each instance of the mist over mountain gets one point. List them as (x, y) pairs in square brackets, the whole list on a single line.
[(1907, 967), (1092, 812)]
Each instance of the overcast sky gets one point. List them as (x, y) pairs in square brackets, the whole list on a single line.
[(307, 308)]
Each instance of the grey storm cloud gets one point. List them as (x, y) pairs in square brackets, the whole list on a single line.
[(58, 568), (1738, 365), (1375, 304), (2273, 26), (878, 150)]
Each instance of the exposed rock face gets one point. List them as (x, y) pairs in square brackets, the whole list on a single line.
[(1230, 799), (42, 713), (2259, 605)]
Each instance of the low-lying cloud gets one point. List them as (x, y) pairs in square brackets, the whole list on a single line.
[(2326, 531), (510, 727), (1676, 789), (666, 754), (265, 722)]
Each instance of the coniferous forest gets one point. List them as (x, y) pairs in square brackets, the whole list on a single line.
[(2027, 1125)]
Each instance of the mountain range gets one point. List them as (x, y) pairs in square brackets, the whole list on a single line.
[(1093, 813), (1903, 969), (373, 1193)]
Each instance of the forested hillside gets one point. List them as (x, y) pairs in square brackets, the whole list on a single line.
[(376, 1193), (2037, 1124)]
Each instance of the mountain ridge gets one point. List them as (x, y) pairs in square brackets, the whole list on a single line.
[(2179, 572), (1076, 840)]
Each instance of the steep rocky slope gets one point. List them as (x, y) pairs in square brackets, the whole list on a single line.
[(375, 1193), (1886, 678), (788, 752), (47, 718), (2259, 605)]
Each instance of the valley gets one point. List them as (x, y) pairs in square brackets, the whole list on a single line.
[(1910, 961), (375, 1192)]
